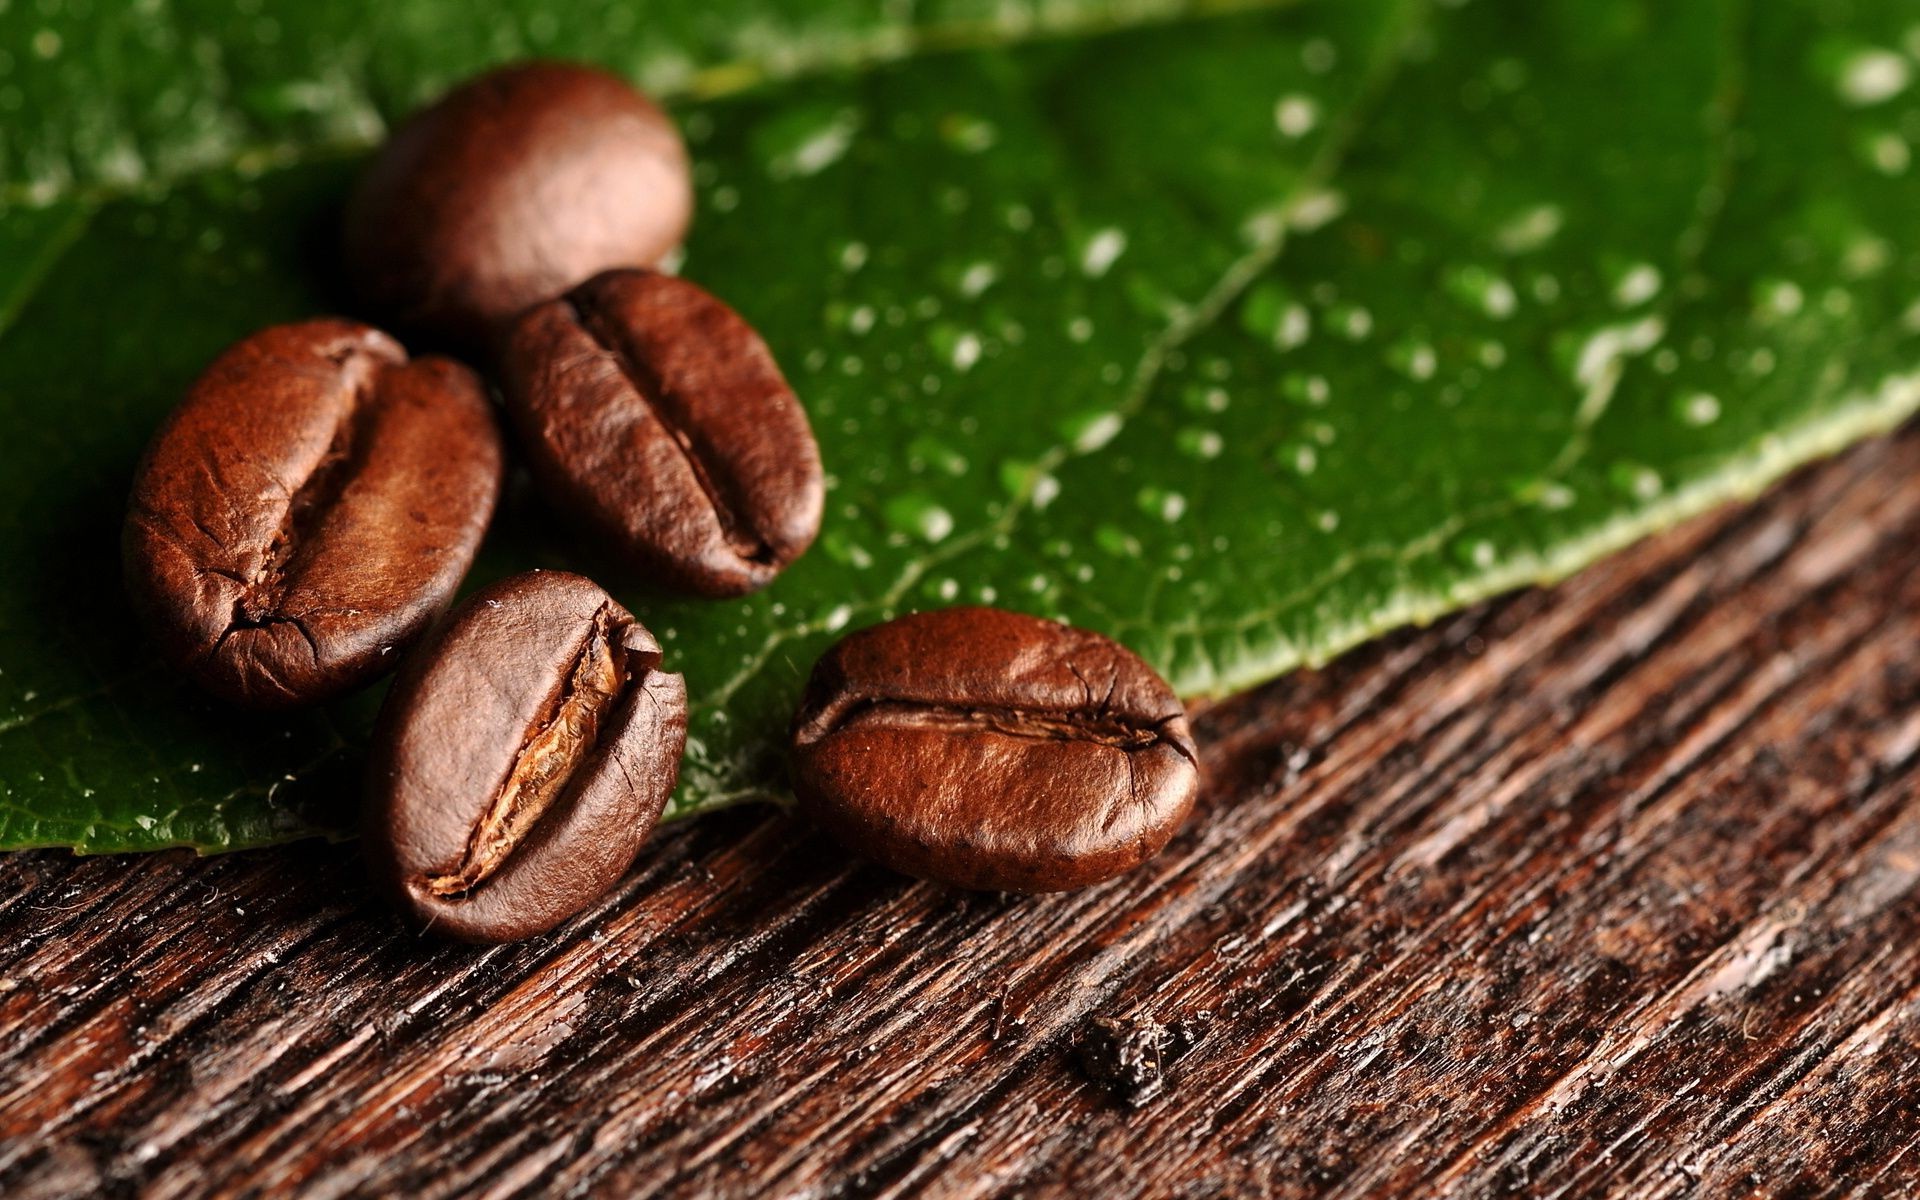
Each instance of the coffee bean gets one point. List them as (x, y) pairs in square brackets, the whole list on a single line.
[(308, 509), (511, 189), (654, 415), (521, 759), (994, 750)]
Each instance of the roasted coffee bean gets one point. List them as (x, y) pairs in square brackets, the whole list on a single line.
[(307, 511), (521, 759), (993, 750), (512, 189), (655, 416)]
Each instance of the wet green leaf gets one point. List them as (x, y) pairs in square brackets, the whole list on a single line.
[(1240, 331)]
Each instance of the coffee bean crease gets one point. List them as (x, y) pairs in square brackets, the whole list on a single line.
[(1103, 727), (560, 741), (521, 759), (654, 416), (662, 403), (992, 749), (311, 501), (307, 510)]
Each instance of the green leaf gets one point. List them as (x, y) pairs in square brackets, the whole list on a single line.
[(1242, 335)]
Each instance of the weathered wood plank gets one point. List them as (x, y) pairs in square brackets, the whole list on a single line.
[(1604, 889)]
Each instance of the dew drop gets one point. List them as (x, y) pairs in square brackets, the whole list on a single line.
[(808, 142), (1199, 399), (920, 516), (1866, 256), (977, 278), (1478, 553), (1530, 229), (1202, 444), (1088, 431), (1872, 76), (1101, 251), (1485, 290), (1553, 495), (1888, 153), (1296, 115), (1272, 314), (1169, 506), (966, 351), (1353, 321), (1414, 359), (1311, 390), (1315, 209), (1698, 408), (1027, 479), (1640, 482), (1638, 284)]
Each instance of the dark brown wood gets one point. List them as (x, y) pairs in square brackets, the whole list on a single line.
[(1604, 889)]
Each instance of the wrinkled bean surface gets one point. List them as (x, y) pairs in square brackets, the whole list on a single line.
[(654, 415), (511, 189), (521, 760), (307, 510), (990, 749)]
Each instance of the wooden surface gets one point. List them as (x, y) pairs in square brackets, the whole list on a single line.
[(1604, 889)]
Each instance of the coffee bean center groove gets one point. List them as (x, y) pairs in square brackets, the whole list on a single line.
[(747, 543), (1103, 727), (602, 672), (309, 502)]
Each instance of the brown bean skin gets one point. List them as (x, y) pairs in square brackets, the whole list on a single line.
[(307, 510), (521, 759), (510, 189), (994, 750), (656, 417)]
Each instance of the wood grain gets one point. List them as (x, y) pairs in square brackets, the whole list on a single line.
[(1605, 889)]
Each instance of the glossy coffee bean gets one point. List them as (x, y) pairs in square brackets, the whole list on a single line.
[(654, 415), (989, 749), (521, 759), (307, 511), (511, 189)]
